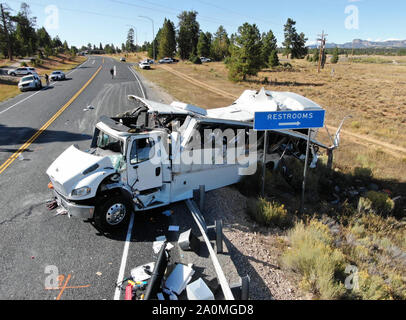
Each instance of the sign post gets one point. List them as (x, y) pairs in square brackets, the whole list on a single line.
[(264, 162), (283, 120)]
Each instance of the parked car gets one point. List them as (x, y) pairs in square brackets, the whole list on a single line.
[(144, 65), (166, 60), (57, 75), (122, 59), (204, 59), (150, 61), (22, 71), (30, 82)]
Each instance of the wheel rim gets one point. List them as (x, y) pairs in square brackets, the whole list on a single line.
[(115, 214)]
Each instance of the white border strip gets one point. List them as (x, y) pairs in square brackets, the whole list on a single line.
[(139, 82), (124, 258)]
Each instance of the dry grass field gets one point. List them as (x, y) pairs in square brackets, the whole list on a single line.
[(374, 94)]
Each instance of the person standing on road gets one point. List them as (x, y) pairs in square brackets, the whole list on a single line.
[(47, 79), (112, 73)]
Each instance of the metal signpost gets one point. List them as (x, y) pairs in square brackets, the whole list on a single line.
[(283, 120)]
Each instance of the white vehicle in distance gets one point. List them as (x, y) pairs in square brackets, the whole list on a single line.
[(22, 71), (204, 59), (166, 60), (30, 82), (144, 65), (122, 59), (57, 75)]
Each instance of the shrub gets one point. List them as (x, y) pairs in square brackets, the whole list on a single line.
[(23, 64), (381, 203), (363, 172), (295, 177), (313, 256), (268, 213), (365, 205), (195, 60)]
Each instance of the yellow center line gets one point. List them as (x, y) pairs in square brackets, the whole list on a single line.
[(46, 125)]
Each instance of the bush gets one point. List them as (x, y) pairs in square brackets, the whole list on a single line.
[(313, 256), (23, 64), (195, 60), (268, 213), (381, 203), (362, 172), (365, 205), (294, 177)]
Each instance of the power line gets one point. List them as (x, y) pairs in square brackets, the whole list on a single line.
[(228, 10), (77, 10), (171, 11)]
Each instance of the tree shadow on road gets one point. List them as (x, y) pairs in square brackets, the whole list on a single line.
[(19, 135)]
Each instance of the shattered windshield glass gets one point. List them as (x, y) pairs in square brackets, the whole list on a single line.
[(107, 142)]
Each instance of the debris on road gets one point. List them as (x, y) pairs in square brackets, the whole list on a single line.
[(179, 278), (198, 290), (61, 212), (88, 108)]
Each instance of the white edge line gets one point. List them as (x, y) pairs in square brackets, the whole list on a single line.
[(124, 258), (139, 82), (26, 98)]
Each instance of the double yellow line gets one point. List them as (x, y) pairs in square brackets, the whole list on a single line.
[(46, 125)]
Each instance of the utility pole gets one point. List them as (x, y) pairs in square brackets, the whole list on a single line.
[(322, 41), (3, 17)]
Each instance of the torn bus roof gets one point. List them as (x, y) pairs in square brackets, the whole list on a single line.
[(243, 109), (251, 101)]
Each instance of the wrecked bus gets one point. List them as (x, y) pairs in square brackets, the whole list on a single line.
[(157, 154)]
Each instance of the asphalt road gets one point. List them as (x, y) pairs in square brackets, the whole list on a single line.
[(34, 238)]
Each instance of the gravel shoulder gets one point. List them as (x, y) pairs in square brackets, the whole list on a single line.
[(254, 250)]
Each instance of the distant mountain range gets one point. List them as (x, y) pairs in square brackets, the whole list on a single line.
[(365, 44)]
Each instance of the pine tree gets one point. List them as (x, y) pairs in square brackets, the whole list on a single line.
[(130, 40), (188, 33), (335, 57), (167, 41), (295, 44), (273, 59), (220, 45), (203, 45), (269, 44), (245, 49)]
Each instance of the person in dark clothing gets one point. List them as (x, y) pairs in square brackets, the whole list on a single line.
[(47, 79), (112, 73)]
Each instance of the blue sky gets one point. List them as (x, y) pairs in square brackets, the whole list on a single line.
[(107, 21)]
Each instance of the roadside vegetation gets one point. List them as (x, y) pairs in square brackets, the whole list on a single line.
[(350, 223), (24, 45)]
